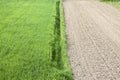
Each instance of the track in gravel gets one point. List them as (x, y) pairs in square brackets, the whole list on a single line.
[(93, 31)]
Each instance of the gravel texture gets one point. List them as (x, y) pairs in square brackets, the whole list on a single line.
[(93, 34)]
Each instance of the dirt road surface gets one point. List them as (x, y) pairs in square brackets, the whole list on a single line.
[(93, 34)]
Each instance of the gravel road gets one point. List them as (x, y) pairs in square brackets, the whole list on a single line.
[(93, 34)]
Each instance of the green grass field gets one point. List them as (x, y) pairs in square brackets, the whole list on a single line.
[(25, 34)]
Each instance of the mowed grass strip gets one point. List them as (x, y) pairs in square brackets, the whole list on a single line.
[(25, 28)]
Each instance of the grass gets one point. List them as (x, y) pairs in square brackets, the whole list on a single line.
[(25, 52), (115, 3)]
